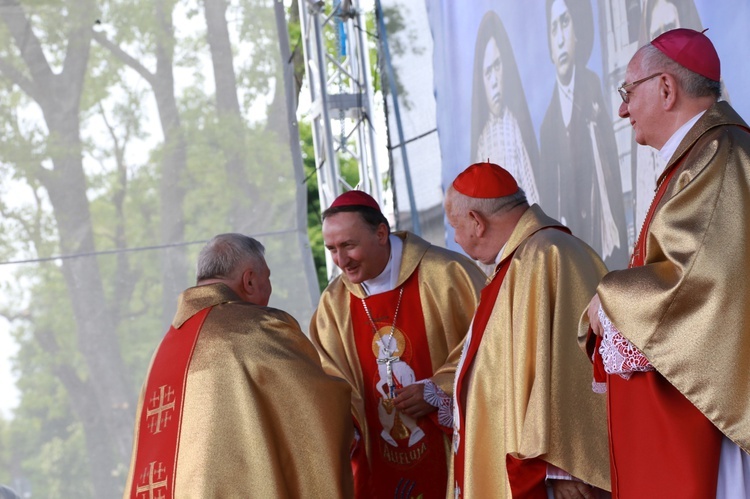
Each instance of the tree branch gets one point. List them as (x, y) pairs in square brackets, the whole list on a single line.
[(79, 44), (17, 77), (126, 58), (28, 44), (76, 387)]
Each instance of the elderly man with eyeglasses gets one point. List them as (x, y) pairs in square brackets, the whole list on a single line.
[(670, 335)]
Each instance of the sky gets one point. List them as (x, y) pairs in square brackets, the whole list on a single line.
[(8, 391)]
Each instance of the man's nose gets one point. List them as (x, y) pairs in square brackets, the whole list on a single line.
[(623, 111), (341, 259)]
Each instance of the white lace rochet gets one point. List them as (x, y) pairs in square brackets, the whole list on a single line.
[(619, 356), (436, 397)]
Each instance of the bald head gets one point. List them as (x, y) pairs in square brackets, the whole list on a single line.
[(694, 85), (237, 261), (662, 96), (462, 204), (482, 226)]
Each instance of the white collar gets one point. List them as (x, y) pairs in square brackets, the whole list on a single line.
[(669, 148), (500, 254), (388, 278), (565, 96)]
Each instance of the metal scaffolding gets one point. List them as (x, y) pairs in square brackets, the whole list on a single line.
[(341, 93), (338, 70)]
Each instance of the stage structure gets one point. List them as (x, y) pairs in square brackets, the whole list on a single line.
[(338, 70), (340, 82)]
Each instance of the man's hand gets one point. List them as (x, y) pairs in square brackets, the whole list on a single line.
[(569, 489), (410, 401), (593, 313)]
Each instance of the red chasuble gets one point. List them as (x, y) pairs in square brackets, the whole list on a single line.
[(526, 476), (407, 456), (660, 444), (158, 436)]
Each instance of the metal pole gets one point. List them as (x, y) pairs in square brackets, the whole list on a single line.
[(416, 228)]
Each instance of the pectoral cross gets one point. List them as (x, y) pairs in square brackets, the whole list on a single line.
[(389, 373)]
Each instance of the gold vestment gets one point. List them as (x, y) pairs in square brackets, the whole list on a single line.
[(687, 309), (260, 416), (528, 391), (449, 286)]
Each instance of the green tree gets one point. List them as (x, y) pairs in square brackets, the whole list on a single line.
[(87, 172)]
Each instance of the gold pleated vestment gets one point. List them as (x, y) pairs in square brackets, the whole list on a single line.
[(528, 391), (688, 308), (449, 286), (260, 417)]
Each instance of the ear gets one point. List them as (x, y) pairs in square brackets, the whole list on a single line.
[(668, 91), (248, 284), (479, 223), (382, 233)]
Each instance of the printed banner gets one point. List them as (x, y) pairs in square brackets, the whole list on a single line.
[(532, 86)]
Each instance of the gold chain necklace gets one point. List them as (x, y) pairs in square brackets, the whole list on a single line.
[(393, 326)]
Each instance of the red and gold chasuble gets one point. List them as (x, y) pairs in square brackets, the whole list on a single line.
[(660, 444), (158, 435), (408, 457), (526, 477), (481, 318)]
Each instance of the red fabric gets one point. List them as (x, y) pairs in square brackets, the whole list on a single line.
[(690, 49), (360, 468), (404, 470), (660, 444), (161, 414), (481, 318), (485, 180), (636, 260), (527, 477), (355, 198)]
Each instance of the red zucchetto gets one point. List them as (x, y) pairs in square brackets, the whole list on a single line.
[(355, 198), (690, 49), (485, 180)]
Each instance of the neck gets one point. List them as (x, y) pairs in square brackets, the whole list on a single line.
[(566, 78), (384, 259), (500, 229), (681, 115)]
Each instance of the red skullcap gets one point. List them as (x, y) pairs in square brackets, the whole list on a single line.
[(355, 198), (690, 49), (485, 180)]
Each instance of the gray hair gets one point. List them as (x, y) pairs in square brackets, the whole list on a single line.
[(654, 60), (223, 254), (462, 204)]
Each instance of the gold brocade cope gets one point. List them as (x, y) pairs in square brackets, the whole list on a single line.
[(528, 392), (260, 416), (687, 308), (449, 286)]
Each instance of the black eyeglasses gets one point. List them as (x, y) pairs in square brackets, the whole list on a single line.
[(624, 93)]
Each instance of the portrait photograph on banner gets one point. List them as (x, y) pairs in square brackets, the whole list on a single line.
[(533, 87)]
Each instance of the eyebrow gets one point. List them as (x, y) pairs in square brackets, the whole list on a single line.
[(347, 241)]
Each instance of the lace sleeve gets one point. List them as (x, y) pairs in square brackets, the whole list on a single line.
[(619, 356), (436, 397)]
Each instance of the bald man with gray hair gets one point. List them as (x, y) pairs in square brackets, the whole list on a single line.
[(525, 421), (219, 411)]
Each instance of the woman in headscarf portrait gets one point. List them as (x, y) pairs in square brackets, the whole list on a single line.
[(501, 129)]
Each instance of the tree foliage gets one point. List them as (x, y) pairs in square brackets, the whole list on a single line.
[(121, 150), (130, 132)]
